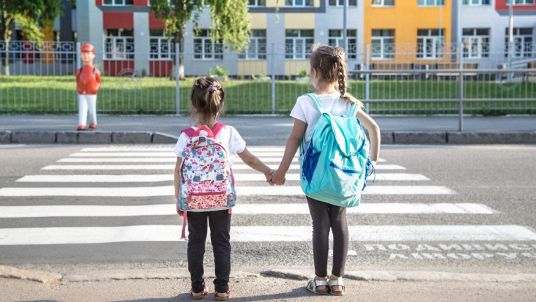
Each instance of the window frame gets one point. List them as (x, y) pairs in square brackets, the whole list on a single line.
[(382, 3), (258, 43), (306, 44), (524, 51), (426, 4), (123, 3), (481, 42), (293, 3), (438, 49), (351, 52), (160, 40), (257, 3), (337, 3), (384, 54), (127, 41), (216, 48), (479, 2)]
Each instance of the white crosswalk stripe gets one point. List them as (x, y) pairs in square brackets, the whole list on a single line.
[(116, 180)]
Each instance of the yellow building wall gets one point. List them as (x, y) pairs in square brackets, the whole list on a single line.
[(257, 20), (252, 67), (293, 67), (405, 17), (300, 21)]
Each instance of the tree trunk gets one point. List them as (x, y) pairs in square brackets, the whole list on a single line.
[(5, 66), (47, 57)]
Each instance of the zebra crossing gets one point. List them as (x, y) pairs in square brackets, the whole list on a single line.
[(144, 173)]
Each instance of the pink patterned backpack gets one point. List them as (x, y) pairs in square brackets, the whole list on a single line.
[(206, 182)]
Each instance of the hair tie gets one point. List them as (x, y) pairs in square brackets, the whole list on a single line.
[(337, 56), (212, 88)]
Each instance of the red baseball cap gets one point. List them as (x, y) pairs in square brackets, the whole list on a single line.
[(86, 47)]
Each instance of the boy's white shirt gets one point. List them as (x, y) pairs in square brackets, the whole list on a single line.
[(228, 136), (306, 111)]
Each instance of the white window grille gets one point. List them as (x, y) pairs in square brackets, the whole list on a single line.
[(383, 44), (430, 2), (299, 3), (117, 2), (383, 2), (475, 43), (476, 2), (255, 3), (298, 43), (430, 44), (523, 40), (119, 44), (256, 49), (336, 39), (161, 47), (205, 48), (341, 3)]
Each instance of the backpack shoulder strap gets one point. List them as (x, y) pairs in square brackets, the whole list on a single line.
[(315, 99), (217, 128), (190, 132)]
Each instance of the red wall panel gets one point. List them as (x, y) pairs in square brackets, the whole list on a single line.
[(118, 20), (503, 5)]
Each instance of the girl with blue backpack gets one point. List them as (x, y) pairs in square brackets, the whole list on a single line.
[(335, 159), (204, 184)]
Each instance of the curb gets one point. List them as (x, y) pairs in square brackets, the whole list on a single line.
[(86, 137), (412, 276), (32, 275), (146, 137)]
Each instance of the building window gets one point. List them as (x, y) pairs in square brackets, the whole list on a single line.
[(117, 2), (298, 2), (119, 44), (161, 46), (298, 43), (430, 44), (383, 2), (522, 42), (204, 48), (383, 44), (256, 2), (430, 2), (476, 2), (256, 49), (341, 2), (475, 43), (336, 39), (521, 2)]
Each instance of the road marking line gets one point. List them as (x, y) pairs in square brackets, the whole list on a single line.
[(96, 178), (171, 167), (169, 159), (266, 190), (240, 209), (170, 233)]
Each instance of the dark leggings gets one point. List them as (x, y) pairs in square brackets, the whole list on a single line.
[(220, 226), (325, 217)]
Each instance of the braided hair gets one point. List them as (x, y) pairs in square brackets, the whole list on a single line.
[(330, 66)]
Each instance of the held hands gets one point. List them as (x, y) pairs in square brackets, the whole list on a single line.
[(278, 178)]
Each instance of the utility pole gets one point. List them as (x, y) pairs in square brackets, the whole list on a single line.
[(510, 36), (344, 30)]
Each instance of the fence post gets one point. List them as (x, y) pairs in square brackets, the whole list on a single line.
[(177, 80), (272, 66), (367, 79), (460, 88)]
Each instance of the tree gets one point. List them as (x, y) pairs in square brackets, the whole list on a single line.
[(30, 15), (229, 21)]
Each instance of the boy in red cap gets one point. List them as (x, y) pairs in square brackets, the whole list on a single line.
[(88, 81)]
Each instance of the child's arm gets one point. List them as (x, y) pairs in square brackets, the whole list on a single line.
[(374, 134), (176, 177), (293, 142), (255, 163)]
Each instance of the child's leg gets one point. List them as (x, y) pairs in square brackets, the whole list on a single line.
[(82, 110), (92, 105), (339, 226), (220, 227), (320, 216), (197, 234)]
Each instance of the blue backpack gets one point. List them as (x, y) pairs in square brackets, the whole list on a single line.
[(336, 164)]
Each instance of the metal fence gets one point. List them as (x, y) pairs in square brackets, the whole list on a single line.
[(407, 81)]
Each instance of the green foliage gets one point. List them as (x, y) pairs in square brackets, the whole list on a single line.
[(229, 19), (302, 73), (219, 71)]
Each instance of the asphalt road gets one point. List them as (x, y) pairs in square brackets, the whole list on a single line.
[(495, 183)]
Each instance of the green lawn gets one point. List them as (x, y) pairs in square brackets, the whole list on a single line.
[(49, 94)]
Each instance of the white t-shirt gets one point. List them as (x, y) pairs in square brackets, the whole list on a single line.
[(306, 111), (228, 136)]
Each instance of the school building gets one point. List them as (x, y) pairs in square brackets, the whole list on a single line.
[(411, 32)]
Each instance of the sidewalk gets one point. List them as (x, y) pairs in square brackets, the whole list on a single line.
[(145, 129)]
